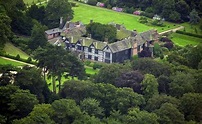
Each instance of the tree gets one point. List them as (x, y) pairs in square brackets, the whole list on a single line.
[(149, 86), (5, 30), (92, 107), (141, 117), (191, 105), (169, 114), (194, 56), (130, 79), (38, 37), (22, 103), (65, 111), (149, 66), (41, 113), (16, 103), (55, 60), (181, 83), (31, 79), (183, 8), (76, 69), (109, 73), (36, 12), (92, 2), (102, 32), (55, 10), (194, 18), (157, 101)]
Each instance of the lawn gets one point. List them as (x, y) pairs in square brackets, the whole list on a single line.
[(29, 2), (5, 62), (12, 50), (85, 13), (194, 29), (183, 40), (89, 70)]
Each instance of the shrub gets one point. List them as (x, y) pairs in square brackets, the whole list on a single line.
[(29, 59), (168, 45), (189, 34), (92, 2), (17, 57), (97, 65), (87, 63), (143, 20)]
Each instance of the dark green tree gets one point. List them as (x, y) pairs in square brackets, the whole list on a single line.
[(194, 18), (181, 83), (65, 111), (130, 79), (158, 100), (41, 113), (5, 30), (149, 86), (149, 66), (55, 60), (31, 79), (92, 107), (191, 106), (169, 114), (55, 10), (135, 115), (36, 12), (109, 73), (38, 37), (102, 32)]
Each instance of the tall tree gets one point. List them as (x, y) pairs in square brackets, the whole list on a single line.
[(55, 60), (149, 86), (38, 37), (31, 79), (5, 30), (194, 18), (169, 114), (135, 115), (191, 105), (55, 10)]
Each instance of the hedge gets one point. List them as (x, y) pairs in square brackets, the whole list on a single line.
[(189, 34)]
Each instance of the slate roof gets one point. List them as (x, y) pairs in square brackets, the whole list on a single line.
[(120, 45), (54, 30)]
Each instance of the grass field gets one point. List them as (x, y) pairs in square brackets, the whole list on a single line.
[(29, 2), (5, 62), (183, 40), (85, 13), (12, 50), (89, 70), (194, 29)]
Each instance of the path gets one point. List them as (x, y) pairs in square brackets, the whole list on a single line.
[(172, 30), (17, 61)]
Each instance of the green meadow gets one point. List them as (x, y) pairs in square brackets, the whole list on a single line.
[(14, 51), (183, 40), (9, 62), (85, 13), (29, 2)]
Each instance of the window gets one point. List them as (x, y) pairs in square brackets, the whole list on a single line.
[(96, 58), (107, 55), (79, 47), (107, 60), (89, 56), (96, 51), (89, 50), (73, 46)]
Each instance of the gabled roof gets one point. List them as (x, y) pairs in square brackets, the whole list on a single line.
[(149, 35), (120, 45), (53, 31)]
